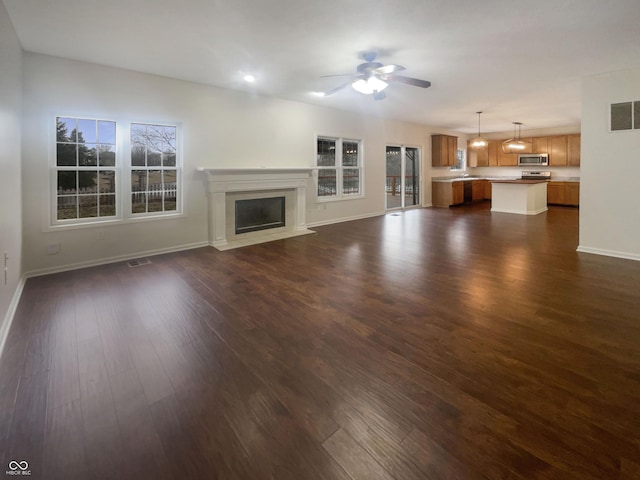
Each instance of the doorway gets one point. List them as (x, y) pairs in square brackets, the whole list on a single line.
[(402, 184)]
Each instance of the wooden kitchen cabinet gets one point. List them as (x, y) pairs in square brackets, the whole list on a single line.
[(492, 152), (572, 194), (555, 193), (573, 150), (558, 151), (477, 190), (457, 193), (477, 157), (563, 193), (444, 149), (506, 159), (540, 145), (487, 190)]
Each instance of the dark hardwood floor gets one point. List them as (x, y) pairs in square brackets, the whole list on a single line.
[(430, 344)]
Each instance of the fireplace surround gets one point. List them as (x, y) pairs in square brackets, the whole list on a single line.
[(225, 186)]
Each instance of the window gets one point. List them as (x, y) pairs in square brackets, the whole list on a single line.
[(340, 172), (85, 169), (625, 116), (154, 169), (461, 163)]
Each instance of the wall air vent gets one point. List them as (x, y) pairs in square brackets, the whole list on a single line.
[(138, 262), (625, 116)]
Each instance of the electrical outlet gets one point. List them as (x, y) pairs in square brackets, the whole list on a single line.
[(53, 248)]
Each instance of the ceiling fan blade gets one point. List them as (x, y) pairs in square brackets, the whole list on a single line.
[(408, 81), (338, 75), (388, 69), (337, 89)]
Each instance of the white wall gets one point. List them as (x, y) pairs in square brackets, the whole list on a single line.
[(222, 128), (10, 185), (610, 169)]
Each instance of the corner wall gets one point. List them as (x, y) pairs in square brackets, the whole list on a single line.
[(10, 175), (610, 169)]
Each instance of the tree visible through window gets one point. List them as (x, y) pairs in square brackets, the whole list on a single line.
[(154, 172), (85, 168)]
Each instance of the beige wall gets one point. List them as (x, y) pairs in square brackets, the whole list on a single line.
[(10, 185), (610, 169)]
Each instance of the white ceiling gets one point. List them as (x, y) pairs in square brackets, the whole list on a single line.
[(515, 60)]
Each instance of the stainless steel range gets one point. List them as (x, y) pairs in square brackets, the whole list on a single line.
[(536, 175)]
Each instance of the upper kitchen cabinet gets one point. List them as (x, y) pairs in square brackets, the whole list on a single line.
[(443, 150), (573, 150), (557, 151), (540, 145), (477, 157)]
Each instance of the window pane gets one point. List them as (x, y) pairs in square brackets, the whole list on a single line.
[(621, 116), (65, 129), (138, 134), (153, 157), (107, 132), (169, 180), (327, 182), (87, 155), (138, 180), (87, 131), (169, 202), (107, 205), (67, 208), (67, 182), (155, 202), (169, 159), (107, 181), (87, 182), (350, 154), (138, 156), (326, 153), (636, 114), (106, 155), (66, 155), (155, 180), (138, 202), (350, 181), (88, 206)]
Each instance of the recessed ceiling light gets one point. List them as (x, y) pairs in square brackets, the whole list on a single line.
[(249, 78), (317, 94)]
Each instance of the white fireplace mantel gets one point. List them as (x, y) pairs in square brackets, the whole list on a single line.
[(223, 181)]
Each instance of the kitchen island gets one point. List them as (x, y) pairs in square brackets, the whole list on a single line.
[(524, 197)]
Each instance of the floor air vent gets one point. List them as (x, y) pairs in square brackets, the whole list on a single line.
[(138, 262)]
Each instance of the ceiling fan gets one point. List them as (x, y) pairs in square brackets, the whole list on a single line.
[(371, 78)]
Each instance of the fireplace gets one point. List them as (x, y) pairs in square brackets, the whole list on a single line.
[(259, 214), (228, 186)]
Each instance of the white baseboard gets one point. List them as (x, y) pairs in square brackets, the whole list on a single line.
[(8, 318), (120, 258), (609, 253), (344, 219)]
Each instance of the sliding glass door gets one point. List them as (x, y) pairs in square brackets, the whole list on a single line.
[(402, 188)]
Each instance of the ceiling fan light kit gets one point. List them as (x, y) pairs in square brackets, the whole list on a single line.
[(479, 141), (369, 86), (373, 77), (515, 144)]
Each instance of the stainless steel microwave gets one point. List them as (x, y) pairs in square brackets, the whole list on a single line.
[(529, 159)]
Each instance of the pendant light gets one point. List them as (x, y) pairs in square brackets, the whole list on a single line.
[(479, 141), (515, 144)]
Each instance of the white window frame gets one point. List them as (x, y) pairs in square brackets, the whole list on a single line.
[(635, 122), (130, 216), (122, 178), (54, 222), (339, 167)]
